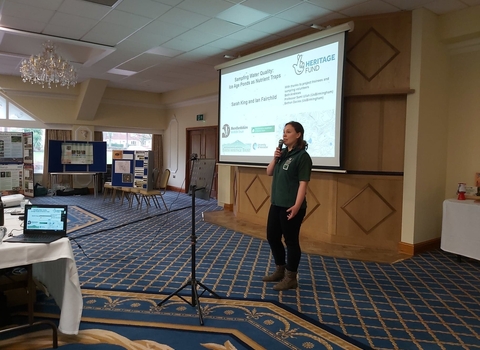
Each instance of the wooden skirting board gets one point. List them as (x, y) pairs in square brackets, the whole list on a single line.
[(417, 248)]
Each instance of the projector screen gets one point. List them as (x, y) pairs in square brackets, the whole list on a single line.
[(301, 82)]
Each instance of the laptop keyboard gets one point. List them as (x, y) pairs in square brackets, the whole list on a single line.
[(35, 237)]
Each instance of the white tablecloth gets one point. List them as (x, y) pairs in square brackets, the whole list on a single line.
[(461, 228), (54, 266)]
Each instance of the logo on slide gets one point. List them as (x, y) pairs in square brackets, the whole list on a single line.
[(225, 130), (299, 66)]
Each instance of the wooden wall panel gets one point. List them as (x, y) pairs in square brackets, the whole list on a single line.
[(393, 146), (378, 54), (369, 211), (319, 223), (375, 133), (360, 210), (362, 120), (252, 194)]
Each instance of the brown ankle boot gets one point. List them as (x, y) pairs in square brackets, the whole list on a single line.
[(288, 282), (276, 276)]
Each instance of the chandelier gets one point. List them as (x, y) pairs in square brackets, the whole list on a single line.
[(48, 68)]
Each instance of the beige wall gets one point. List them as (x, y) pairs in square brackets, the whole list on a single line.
[(182, 116), (426, 132), (442, 117), (463, 156), (460, 32)]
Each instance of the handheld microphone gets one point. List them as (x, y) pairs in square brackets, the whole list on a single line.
[(280, 145)]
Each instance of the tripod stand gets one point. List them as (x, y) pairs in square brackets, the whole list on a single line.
[(193, 282)]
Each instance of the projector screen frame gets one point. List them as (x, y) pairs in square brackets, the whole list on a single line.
[(241, 66)]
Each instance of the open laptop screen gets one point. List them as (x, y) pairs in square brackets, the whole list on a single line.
[(45, 219)]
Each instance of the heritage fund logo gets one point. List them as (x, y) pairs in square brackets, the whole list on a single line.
[(311, 66)]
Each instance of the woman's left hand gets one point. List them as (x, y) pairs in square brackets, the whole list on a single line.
[(291, 212)]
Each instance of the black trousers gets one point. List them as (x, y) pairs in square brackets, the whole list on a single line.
[(279, 226)]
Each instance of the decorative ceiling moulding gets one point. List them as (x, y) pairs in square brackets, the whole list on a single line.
[(50, 94), (192, 102), (83, 133), (465, 46), (150, 130), (20, 44), (59, 126), (111, 101)]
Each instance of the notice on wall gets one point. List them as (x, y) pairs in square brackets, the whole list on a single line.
[(122, 167), (77, 153), (11, 147), (11, 177)]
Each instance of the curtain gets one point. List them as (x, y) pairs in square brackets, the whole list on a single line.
[(60, 135), (98, 136), (101, 178), (157, 148)]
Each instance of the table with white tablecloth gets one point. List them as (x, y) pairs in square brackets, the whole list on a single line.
[(461, 227), (54, 266)]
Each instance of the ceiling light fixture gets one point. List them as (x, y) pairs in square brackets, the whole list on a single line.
[(48, 68), (230, 57), (319, 27)]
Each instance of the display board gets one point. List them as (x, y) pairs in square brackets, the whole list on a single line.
[(16, 163), (132, 169), (11, 147), (77, 156)]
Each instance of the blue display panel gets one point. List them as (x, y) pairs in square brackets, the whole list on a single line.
[(99, 164)]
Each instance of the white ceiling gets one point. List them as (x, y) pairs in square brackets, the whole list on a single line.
[(164, 45)]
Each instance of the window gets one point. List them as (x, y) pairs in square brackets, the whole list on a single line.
[(3, 108), (126, 141), (15, 113)]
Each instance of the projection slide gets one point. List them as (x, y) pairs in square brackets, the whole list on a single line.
[(257, 98)]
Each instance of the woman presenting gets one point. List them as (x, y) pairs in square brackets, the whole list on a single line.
[(291, 169)]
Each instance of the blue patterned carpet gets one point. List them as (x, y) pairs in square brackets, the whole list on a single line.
[(79, 218), (431, 301), (131, 319)]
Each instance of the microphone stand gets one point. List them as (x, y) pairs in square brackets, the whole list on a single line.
[(193, 282)]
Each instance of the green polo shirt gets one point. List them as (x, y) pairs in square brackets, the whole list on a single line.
[(294, 166)]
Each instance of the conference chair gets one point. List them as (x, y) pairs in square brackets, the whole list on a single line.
[(107, 189), (117, 191), (152, 195), (162, 186), (126, 194), (134, 194)]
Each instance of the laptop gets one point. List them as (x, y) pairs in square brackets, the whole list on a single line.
[(42, 223)]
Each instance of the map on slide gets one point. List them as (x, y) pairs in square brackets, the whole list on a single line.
[(319, 131)]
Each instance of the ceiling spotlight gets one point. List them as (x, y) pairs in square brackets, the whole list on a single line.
[(230, 57)]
